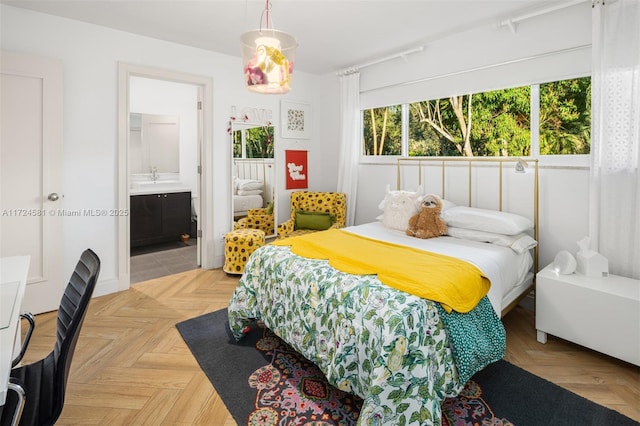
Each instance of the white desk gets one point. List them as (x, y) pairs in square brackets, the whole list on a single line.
[(13, 281)]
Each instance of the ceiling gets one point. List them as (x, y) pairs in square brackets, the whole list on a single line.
[(331, 34)]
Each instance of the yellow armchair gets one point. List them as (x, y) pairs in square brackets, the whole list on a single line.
[(256, 219), (334, 203)]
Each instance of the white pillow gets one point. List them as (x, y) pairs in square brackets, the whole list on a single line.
[(446, 204), (252, 192), (524, 243), (248, 184), (486, 220), (519, 243)]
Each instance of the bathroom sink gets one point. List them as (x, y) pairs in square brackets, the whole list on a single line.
[(150, 186), (154, 183)]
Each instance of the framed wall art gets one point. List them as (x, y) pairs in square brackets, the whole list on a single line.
[(296, 168), (295, 119)]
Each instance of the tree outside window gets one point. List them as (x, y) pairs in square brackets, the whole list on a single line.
[(382, 131), (565, 117), (257, 142), (495, 123)]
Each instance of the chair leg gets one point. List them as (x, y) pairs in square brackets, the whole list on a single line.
[(17, 414)]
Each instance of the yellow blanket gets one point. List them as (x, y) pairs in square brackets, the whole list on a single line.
[(456, 284)]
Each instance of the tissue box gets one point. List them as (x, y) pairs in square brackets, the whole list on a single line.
[(592, 265)]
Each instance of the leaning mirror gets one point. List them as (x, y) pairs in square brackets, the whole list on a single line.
[(253, 176)]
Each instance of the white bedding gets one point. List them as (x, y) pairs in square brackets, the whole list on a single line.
[(504, 267), (242, 203)]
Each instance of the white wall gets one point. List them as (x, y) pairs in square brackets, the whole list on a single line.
[(90, 56), (328, 144)]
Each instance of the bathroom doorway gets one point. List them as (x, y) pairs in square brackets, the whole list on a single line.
[(163, 177), (162, 124)]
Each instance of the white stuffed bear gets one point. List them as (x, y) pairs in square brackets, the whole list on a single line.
[(399, 207)]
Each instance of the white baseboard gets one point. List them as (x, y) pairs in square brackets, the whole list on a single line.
[(107, 286)]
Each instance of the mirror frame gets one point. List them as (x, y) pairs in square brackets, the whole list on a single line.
[(248, 118)]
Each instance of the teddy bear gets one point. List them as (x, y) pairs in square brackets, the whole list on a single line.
[(427, 223)]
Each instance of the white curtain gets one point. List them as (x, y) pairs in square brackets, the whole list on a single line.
[(350, 135), (614, 211)]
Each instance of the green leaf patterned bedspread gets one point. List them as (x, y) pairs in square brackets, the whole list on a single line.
[(395, 350)]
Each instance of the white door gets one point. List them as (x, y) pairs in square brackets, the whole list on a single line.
[(31, 173)]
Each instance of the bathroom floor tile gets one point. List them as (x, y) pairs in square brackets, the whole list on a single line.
[(161, 263)]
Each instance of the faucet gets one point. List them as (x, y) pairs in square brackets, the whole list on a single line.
[(154, 173)]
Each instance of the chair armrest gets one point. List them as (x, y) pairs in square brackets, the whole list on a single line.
[(252, 212), (263, 222), (240, 224), (285, 228), (254, 217), (32, 325)]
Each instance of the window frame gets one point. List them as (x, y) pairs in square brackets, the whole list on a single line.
[(549, 161)]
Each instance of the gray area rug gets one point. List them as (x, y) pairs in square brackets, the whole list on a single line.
[(504, 394)]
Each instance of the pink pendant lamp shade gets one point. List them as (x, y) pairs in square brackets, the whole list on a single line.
[(267, 57)]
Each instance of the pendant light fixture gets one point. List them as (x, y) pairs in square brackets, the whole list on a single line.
[(267, 57)]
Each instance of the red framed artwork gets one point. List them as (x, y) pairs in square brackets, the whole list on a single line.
[(296, 168)]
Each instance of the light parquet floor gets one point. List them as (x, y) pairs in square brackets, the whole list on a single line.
[(131, 367)]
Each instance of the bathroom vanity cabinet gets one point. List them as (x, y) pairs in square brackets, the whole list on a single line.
[(157, 218)]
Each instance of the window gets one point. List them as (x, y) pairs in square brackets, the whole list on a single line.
[(496, 123), (382, 128), (565, 117), (253, 142)]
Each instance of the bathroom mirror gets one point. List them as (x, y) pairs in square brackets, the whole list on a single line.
[(154, 143), (253, 176)]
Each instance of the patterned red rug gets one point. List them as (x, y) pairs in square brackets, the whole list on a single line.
[(262, 381), (290, 390)]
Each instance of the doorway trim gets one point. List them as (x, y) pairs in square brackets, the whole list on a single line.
[(205, 160)]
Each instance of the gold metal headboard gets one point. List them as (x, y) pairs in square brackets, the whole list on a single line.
[(499, 162), (256, 168)]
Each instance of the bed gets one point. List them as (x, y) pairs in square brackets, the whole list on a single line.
[(252, 184), (242, 203), (402, 353)]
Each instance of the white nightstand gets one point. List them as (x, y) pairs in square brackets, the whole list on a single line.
[(600, 313)]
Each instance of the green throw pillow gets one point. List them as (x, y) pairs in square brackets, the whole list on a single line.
[(318, 221), (270, 208)]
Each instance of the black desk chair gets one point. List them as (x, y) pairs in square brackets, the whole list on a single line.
[(44, 382)]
